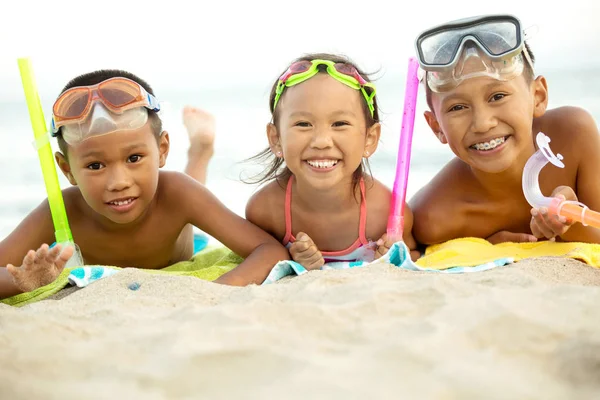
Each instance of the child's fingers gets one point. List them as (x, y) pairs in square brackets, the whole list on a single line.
[(54, 251), (309, 257), (52, 255), (64, 257), (42, 252), (556, 223), (415, 255), (12, 269), (410, 242), (539, 224), (307, 254), (29, 258), (316, 261), (301, 246), (506, 236)]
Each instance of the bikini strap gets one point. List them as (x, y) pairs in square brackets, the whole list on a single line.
[(288, 211), (362, 229)]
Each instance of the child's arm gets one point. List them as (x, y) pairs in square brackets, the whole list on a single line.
[(33, 231), (583, 143), (260, 250), (260, 211)]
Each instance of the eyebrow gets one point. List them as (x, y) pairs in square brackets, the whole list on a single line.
[(308, 114), (127, 149), (488, 86)]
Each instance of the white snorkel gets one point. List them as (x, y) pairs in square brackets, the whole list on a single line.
[(531, 186), (531, 172)]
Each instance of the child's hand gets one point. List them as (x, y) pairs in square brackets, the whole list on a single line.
[(383, 246), (40, 267), (545, 225), (305, 252), (506, 236)]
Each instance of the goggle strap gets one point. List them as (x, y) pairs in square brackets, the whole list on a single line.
[(278, 91), (527, 57), (153, 103), (530, 32), (369, 99)]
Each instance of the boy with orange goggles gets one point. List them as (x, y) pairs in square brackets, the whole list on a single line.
[(123, 210), (120, 100)]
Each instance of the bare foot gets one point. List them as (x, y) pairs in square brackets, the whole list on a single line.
[(201, 130)]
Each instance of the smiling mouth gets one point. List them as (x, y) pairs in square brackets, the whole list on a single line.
[(322, 164), (490, 145), (123, 202)]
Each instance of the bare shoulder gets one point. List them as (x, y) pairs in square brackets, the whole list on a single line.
[(265, 208), (441, 197), (174, 181), (174, 186), (375, 187), (379, 197), (74, 201), (446, 186), (567, 126)]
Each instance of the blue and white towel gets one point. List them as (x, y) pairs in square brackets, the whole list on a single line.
[(83, 276), (398, 255)]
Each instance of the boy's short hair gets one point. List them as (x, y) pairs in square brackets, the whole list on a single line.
[(95, 77), (527, 72)]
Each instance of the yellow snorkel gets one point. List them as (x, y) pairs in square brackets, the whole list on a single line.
[(62, 231)]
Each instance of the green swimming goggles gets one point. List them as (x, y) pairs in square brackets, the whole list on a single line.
[(301, 71)]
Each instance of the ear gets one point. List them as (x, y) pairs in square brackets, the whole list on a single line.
[(64, 166), (372, 139), (273, 137), (540, 96), (164, 144), (435, 126)]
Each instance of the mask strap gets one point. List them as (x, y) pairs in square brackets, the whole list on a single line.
[(528, 58), (530, 32)]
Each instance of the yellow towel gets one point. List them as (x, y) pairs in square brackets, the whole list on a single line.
[(470, 251)]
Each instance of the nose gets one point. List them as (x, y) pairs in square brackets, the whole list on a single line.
[(484, 119), (119, 179), (321, 138)]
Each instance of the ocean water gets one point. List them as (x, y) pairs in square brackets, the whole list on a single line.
[(242, 114)]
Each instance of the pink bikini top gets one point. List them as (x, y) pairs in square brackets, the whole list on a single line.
[(328, 255)]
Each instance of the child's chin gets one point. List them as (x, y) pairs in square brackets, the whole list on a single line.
[(493, 167)]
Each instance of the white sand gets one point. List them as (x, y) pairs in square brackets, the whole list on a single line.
[(528, 331)]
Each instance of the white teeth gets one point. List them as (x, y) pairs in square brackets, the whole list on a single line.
[(488, 145), (121, 203), (321, 163)]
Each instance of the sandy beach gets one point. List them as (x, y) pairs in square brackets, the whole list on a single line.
[(526, 331)]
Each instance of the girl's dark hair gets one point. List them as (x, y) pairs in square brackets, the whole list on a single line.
[(275, 166)]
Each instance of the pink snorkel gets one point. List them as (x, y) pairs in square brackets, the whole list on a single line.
[(395, 225)]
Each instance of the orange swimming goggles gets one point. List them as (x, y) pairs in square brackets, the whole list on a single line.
[(116, 94)]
